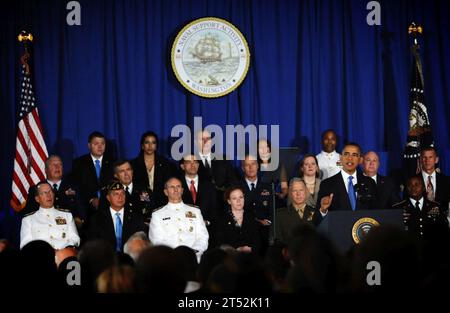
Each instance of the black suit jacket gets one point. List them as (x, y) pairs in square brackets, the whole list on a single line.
[(84, 176), (442, 192), (221, 174), (163, 171), (247, 235), (206, 198), (67, 197), (366, 193), (387, 192), (139, 199), (102, 226)]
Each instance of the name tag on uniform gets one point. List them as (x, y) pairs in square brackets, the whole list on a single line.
[(60, 221), (190, 214), (166, 218)]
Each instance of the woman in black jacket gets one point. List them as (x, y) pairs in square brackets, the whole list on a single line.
[(151, 169), (237, 227)]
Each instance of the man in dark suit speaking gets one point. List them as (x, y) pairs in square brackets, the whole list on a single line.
[(347, 190)]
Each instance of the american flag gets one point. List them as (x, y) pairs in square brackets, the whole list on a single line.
[(31, 151)]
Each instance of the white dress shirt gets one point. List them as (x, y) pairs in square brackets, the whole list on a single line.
[(374, 177), (413, 202), (130, 187), (58, 183), (249, 183), (94, 158), (188, 182), (433, 180), (206, 157), (345, 177)]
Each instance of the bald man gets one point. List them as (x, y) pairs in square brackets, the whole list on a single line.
[(387, 192)]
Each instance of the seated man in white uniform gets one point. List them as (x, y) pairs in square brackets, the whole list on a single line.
[(178, 224), (55, 226)]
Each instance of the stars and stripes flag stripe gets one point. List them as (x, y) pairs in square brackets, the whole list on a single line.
[(31, 151)]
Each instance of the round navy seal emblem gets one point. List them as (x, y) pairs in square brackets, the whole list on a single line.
[(210, 57), (362, 227)]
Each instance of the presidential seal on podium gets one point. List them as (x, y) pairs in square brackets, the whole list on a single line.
[(362, 227), (210, 57)]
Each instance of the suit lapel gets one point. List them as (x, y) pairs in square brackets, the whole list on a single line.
[(91, 167), (438, 187), (345, 201), (186, 192), (109, 224)]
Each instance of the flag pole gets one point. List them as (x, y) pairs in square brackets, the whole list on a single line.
[(419, 134)]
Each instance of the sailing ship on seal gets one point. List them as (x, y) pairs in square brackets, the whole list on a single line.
[(208, 50)]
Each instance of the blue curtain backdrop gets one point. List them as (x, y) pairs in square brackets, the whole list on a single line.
[(315, 65)]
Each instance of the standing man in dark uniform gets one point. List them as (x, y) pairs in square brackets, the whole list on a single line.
[(220, 172), (117, 223), (421, 215), (387, 192), (258, 199), (92, 171), (65, 192), (137, 196), (348, 189)]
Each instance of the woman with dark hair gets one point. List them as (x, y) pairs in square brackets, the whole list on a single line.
[(309, 172), (278, 176), (237, 227), (152, 169)]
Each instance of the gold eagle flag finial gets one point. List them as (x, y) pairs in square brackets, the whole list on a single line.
[(415, 30), (25, 37)]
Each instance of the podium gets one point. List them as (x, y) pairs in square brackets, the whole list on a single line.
[(346, 228)]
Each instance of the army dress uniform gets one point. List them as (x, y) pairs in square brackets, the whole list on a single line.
[(179, 224), (55, 226), (419, 218)]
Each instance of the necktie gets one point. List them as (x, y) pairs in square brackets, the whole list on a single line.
[(351, 193), (207, 164), (253, 186), (97, 168), (127, 190), (55, 187), (430, 189), (118, 232), (97, 172), (418, 206), (193, 191)]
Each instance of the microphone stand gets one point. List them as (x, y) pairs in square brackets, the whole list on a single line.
[(272, 237)]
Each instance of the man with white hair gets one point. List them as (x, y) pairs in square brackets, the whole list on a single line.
[(137, 243)]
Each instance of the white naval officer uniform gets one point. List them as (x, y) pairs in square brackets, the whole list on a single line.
[(55, 226), (179, 224), (329, 163)]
